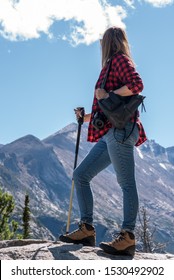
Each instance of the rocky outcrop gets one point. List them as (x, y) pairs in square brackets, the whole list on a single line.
[(49, 250)]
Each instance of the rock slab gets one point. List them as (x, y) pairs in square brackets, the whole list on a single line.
[(35, 249)]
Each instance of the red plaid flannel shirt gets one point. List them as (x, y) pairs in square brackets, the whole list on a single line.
[(122, 72)]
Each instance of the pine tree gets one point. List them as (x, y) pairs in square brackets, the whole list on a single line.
[(26, 218), (7, 228), (146, 234)]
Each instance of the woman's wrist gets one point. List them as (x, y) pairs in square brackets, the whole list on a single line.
[(123, 91), (87, 117)]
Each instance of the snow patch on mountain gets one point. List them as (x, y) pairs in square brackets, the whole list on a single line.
[(163, 165), (140, 153)]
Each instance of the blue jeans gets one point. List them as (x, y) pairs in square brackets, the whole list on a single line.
[(110, 150)]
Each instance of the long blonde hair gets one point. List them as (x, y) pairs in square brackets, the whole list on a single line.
[(114, 41)]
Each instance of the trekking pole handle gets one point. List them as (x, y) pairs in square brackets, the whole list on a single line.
[(80, 112)]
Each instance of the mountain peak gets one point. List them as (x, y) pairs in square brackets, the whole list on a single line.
[(153, 148), (23, 143), (69, 128), (29, 138)]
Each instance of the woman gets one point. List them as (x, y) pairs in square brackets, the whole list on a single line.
[(110, 148)]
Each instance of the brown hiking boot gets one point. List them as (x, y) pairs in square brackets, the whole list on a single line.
[(85, 235), (124, 244)]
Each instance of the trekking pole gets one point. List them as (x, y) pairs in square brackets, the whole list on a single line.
[(80, 122)]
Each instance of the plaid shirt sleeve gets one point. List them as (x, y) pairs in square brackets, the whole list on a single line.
[(124, 71)]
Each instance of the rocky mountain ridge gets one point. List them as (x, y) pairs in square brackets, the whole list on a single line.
[(43, 169)]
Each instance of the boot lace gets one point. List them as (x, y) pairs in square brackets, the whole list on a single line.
[(120, 237)]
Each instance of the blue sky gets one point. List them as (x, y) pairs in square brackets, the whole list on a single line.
[(50, 60)]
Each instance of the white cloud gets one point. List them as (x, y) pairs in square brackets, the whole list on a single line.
[(130, 3), (155, 3), (28, 19), (160, 3)]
